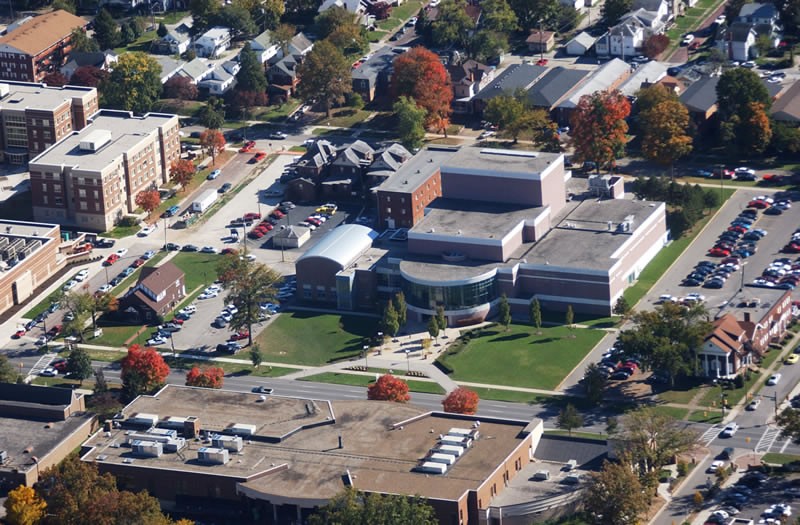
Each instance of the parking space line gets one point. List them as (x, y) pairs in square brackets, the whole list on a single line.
[(40, 365), (786, 444)]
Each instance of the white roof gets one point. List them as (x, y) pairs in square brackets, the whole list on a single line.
[(583, 38), (650, 73), (343, 245), (600, 80)]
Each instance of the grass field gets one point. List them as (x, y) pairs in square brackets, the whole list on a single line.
[(512, 396), (200, 268), (779, 459), (121, 231), (117, 335), (427, 387), (520, 358), (315, 339), (345, 118), (706, 416), (677, 413)]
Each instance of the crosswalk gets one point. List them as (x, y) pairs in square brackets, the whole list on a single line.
[(767, 440), (40, 365), (710, 434)]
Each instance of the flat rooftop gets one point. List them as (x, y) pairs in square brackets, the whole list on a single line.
[(24, 95), (473, 219), (26, 229), (737, 305), (499, 161), (309, 464), (418, 169), (127, 131)]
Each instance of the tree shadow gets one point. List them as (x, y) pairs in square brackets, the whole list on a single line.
[(509, 337), (545, 340)]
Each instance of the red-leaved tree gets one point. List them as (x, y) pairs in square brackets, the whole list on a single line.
[(420, 74), (143, 370), (380, 10), (213, 141), (181, 172), (181, 88), (89, 76), (148, 200), (388, 388), (655, 45), (211, 377), (461, 401), (599, 128), (56, 79)]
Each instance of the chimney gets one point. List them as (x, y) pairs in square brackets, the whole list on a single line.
[(747, 317), (191, 427), (341, 443)]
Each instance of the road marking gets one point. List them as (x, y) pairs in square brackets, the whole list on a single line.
[(710, 434), (786, 444), (41, 364), (767, 439)]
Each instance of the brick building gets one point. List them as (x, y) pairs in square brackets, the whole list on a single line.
[(156, 293), (38, 47), (91, 178), (33, 117)]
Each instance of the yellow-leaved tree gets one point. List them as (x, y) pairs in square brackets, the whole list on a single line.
[(24, 506)]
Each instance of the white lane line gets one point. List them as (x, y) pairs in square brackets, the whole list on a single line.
[(767, 439), (710, 434), (786, 444)]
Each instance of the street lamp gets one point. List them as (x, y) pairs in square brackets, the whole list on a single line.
[(380, 339), (408, 360), (366, 357), (741, 286)]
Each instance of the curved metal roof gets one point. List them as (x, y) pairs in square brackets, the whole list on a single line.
[(343, 245)]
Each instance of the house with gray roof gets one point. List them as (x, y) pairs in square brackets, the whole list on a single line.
[(624, 39), (196, 70), (787, 107), (371, 79), (264, 47), (554, 86), (758, 13), (299, 46), (580, 45), (213, 42), (738, 41), (515, 77), (169, 67), (701, 99), (644, 76), (468, 78), (607, 77), (385, 163), (282, 77), (316, 159), (173, 43), (222, 78)]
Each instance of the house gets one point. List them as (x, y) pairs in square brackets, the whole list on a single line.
[(758, 13), (158, 292), (700, 99), (580, 45), (787, 108), (38, 47), (541, 41), (371, 79), (100, 59), (301, 189), (299, 46), (575, 4), (222, 78), (196, 70), (173, 43), (607, 77), (726, 350), (624, 39), (468, 78), (663, 9), (263, 47), (344, 173), (644, 76), (213, 42), (169, 67), (654, 23), (282, 77), (551, 89), (738, 41), (314, 162), (515, 77), (385, 163), (356, 7)]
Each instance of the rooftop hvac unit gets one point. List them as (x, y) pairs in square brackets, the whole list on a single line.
[(170, 443), (438, 457), (147, 449), (143, 419), (3, 241), (232, 443), (4, 89), (95, 140), (212, 456), (163, 432), (454, 450), (242, 429), (460, 441), (430, 467), (3, 456), (460, 431), (173, 422)]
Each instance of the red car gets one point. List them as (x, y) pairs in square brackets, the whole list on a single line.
[(277, 214), (719, 252), (255, 234), (54, 331), (260, 156), (111, 259), (541, 62), (252, 216), (231, 251), (244, 334), (137, 263), (248, 146), (19, 333), (758, 204), (740, 229), (315, 222), (792, 248), (60, 365)]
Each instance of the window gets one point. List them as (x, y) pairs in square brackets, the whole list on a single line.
[(96, 194), (44, 199), (83, 205), (82, 193), (402, 200), (388, 210), (56, 187)]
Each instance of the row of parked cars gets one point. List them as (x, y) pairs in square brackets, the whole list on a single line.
[(615, 366), (782, 273), (741, 238)]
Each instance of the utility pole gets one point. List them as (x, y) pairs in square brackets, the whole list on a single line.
[(541, 44)]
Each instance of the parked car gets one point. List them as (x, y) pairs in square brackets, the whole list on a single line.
[(214, 174), (774, 379)]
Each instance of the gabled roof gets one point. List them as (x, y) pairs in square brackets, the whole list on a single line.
[(756, 10), (196, 69), (286, 65), (536, 37), (300, 44), (554, 86), (264, 40), (159, 278), (42, 32), (91, 58), (701, 96), (467, 70), (601, 79), (630, 26), (168, 64), (645, 75), (516, 76), (176, 36), (583, 38), (787, 108), (740, 32), (217, 33), (380, 62), (647, 5), (644, 17), (728, 334)]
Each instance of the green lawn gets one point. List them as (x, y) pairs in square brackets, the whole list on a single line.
[(706, 416), (734, 396), (231, 369), (140, 44), (314, 339), (117, 335), (389, 24), (427, 387), (779, 459), (512, 396), (173, 17), (517, 357), (345, 118), (200, 268), (407, 10), (675, 412), (121, 231), (275, 113)]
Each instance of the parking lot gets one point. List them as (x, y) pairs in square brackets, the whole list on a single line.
[(757, 497)]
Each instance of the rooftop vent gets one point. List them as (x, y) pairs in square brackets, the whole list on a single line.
[(95, 140)]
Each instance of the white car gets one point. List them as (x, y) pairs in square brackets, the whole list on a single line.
[(694, 296), (688, 39), (729, 430), (665, 298), (207, 295), (715, 466), (188, 309), (780, 509), (49, 372), (774, 379), (81, 276), (149, 254), (208, 249), (721, 514), (105, 288), (147, 230), (70, 285), (487, 134), (720, 20), (155, 341), (742, 170), (226, 315), (231, 308), (121, 252)]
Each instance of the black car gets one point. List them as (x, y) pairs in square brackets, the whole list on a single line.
[(709, 264), (190, 248), (619, 376), (773, 211), (172, 247), (691, 282), (225, 187)]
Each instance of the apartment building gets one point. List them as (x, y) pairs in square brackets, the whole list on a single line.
[(91, 178), (33, 116), (38, 47)]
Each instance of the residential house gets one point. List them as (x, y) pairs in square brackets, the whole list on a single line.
[(100, 59), (515, 77), (575, 4), (264, 47), (468, 78), (384, 164), (700, 99), (541, 41), (644, 76), (313, 163), (38, 47), (344, 173), (551, 89), (299, 46), (738, 41), (654, 23), (726, 351), (301, 189), (663, 9), (356, 7), (169, 67), (473, 10), (758, 13), (624, 39), (372, 77), (607, 77), (787, 108), (173, 43), (222, 78), (159, 290), (580, 45), (282, 77), (196, 70), (213, 42)]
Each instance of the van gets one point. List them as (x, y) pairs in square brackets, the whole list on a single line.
[(572, 479), (541, 475)]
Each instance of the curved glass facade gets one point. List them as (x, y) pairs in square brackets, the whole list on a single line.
[(456, 297)]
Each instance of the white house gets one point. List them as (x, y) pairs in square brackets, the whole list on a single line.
[(213, 42), (726, 350), (222, 78), (169, 67), (104, 60), (177, 43), (299, 46), (263, 47), (653, 22), (356, 7), (758, 14), (580, 45), (196, 70), (738, 42), (625, 39)]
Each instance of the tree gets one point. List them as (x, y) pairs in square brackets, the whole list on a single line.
[(324, 76), (441, 320), (81, 42), (613, 10), (56, 78), (531, 14), (256, 357), (143, 370), (282, 35), (212, 114), (410, 122), (79, 305), (8, 374), (134, 84), (390, 322), (594, 384), (785, 139), (400, 306), (498, 16), (106, 30), (203, 13), (100, 383), (599, 128), (737, 88), (24, 507), (248, 285), (655, 45), (148, 200), (380, 10), (79, 364), (100, 304), (388, 388), (733, 7), (64, 5), (251, 76), (461, 401), (329, 21), (754, 134), (351, 507), (789, 423), (433, 328), (664, 126), (504, 312), (535, 312), (237, 19), (351, 39), (419, 74), (506, 112), (615, 496), (71, 490), (126, 35), (162, 30), (622, 307), (89, 76), (487, 45), (569, 418), (612, 425), (181, 172), (452, 25), (214, 142), (790, 15), (181, 88), (271, 12), (652, 439), (209, 377), (569, 317)]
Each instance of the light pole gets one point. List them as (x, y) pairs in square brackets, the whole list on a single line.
[(408, 360), (165, 233), (366, 357), (741, 285), (380, 339)]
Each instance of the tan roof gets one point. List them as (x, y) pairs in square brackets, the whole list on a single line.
[(41, 32), (535, 37), (787, 107)]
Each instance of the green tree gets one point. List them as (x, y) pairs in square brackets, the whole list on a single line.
[(162, 30), (498, 16), (569, 418), (126, 35), (433, 328), (282, 35), (535, 313), (615, 496), (8, 373), (64, 5), (100, 383), (79, 364), (531, 14), (737, 88), (613, 10), (82, 42), (612, 425), (506, 112), (410, 122), (569, 317), (400, 306), (504, 311), (203, 14), (106, 30), (488, 44), (452, 26), (134, 84), (441, 319), (389, 322), (622, 307), (594, 384), (789, 423), (212, 114), (352, 507), (237, 19), (331, 20), (251, 76), (324, 76), (248, 284), (651, 439)]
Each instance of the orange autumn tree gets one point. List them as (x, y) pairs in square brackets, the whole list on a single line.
[(181, 172), (420, 74), (599, 128), (143, 370), (461, 401), (388, 388), (214, 142), (211, 377), (148, 200)]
